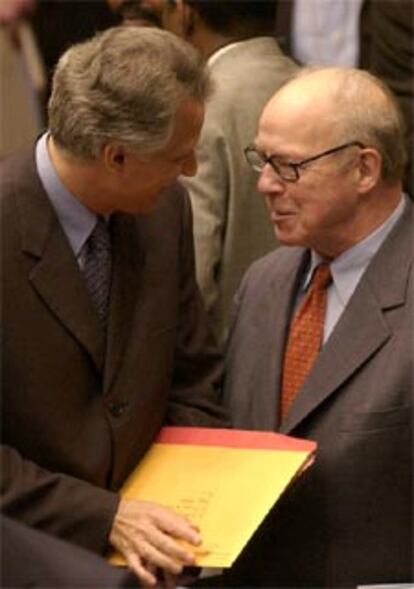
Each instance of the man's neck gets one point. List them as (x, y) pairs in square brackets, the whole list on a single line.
[(382, 203), (78, 176), (379, 206)]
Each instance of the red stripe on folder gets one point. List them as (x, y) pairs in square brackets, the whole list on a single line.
[(233, 438)]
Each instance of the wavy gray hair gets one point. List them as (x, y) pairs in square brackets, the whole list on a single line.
[(123, 85)]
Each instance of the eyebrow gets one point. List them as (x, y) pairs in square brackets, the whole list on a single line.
[(282, 158)]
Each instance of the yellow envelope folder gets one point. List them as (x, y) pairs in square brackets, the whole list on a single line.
[(226, 491)]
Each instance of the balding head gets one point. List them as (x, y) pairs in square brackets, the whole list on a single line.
[(330, 153), (348, 104)]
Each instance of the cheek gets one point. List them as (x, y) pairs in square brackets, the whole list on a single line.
[(268, 202), (153, 178), (331, 209)]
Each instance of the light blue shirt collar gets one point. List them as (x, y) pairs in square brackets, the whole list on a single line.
[(76, 219), (348, 268)]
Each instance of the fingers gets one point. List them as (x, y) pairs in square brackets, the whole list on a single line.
[(177, 526), (144, 571), (148, 536), (164, 552), (145, 560)]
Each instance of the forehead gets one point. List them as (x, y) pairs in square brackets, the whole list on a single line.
[(188, 123), (296, 120)]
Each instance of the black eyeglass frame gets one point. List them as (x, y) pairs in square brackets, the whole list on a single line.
[(295, 166)]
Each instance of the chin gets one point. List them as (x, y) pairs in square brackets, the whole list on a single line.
[(142, 208), (287, 234), (284, 237)]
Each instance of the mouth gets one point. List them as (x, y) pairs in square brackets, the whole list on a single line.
[(277, 216)]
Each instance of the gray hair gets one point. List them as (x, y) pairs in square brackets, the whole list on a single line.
[(123, 85), (367, 111)]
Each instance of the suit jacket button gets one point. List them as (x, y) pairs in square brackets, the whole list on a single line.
[(117, 409)]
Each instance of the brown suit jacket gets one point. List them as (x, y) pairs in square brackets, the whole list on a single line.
[(348, 520), (78, 415), (31, 558)]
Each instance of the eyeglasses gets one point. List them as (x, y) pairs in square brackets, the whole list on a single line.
[(288, 171)]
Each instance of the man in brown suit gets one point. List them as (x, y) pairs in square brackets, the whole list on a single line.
[(85, 388)]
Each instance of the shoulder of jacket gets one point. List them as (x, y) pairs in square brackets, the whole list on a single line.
[(276, 259)]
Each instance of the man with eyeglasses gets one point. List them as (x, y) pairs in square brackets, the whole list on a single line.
[(330, 156)]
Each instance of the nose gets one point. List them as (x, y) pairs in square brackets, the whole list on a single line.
[(269, 181), (189, 167)]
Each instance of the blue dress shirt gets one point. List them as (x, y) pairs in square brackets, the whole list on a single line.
[(75, 218)]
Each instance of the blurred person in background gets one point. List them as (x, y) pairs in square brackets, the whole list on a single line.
[(231, 226), (22, 77), (58, 24), (138, 12), (390, 55)]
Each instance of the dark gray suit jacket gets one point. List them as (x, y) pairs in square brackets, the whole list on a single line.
[(348, 519), (78, 416)]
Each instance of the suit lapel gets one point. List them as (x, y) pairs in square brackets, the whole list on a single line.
[(273, 322), (354, 341), (55, 274), (128, 262), (350, 345)]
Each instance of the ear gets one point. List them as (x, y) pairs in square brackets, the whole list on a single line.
[(114, 157), (369, 169)]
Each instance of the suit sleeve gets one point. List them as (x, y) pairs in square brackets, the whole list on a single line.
[(51, 562), (196, 390), (58, 504)]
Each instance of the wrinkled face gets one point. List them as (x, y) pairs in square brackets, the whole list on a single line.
[(318, 211), (144, 177)]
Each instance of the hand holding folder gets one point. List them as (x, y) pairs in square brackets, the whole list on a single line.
[(224, 481), (153, 538)]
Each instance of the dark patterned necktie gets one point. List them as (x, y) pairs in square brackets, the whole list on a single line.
[(305, 337), (97, 267)]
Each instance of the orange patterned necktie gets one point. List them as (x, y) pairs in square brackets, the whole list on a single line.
[(305, 337)]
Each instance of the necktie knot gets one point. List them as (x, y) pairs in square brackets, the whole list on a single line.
[(100, 239), (322, 277)]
